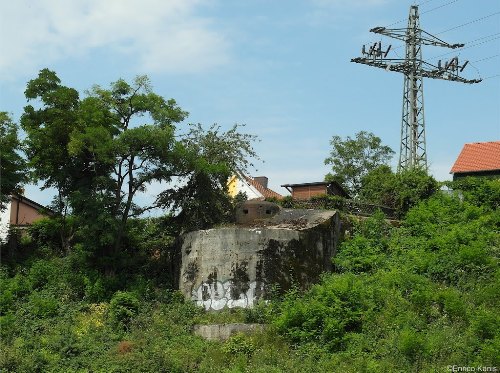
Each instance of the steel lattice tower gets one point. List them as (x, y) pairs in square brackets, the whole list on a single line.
[(413, 148)]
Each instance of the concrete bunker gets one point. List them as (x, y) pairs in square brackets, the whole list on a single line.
[(236, 266)]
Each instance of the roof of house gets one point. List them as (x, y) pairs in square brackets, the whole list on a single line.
[(477, 157), (33, 204), (307, 184), (266, 192), (333, 183)]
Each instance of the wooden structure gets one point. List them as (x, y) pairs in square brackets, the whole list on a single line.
[(305, 191)]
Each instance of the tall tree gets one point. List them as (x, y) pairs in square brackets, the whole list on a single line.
[(102, 151), (95, 151), (137, 154), (351, 159), (203, 200), (48, 129), (12, 165)]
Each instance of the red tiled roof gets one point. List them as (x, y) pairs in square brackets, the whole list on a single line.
[(478, 156), (266, 192)]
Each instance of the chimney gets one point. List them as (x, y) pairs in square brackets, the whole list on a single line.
[(262, 180)]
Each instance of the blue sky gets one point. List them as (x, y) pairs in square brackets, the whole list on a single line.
[(282, 67)]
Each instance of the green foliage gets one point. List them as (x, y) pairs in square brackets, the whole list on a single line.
[(327, 314), (351, 159), (367, 249), (49, 233), (97, 156), (12, 165), (411, 344), (214, 156), (239, 344), (479, 191), (422, 295), (399, 191), (123, 307)]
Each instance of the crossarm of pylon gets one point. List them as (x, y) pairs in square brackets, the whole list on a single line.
[(388, 64), (395, 33), (398, 65), (425, 38), (430, 39)]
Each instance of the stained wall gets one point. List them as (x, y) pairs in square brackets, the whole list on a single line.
[(238, 265)]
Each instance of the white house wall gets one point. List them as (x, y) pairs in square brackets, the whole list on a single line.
[(5, 222), (248, 189)]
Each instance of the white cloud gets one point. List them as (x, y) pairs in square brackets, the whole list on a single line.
[(158, 35)]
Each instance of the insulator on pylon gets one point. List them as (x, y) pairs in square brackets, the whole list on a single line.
[(387, 51), (463, 66)]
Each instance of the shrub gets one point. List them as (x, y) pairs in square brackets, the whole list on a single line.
[(42, 305), (324, 314), (411, 344), (124, 306), (239, 344)]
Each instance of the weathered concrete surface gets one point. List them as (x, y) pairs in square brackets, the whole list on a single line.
[(222, 332), (238, 265)]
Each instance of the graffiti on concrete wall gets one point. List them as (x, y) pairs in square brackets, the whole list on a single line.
[(216, 295)]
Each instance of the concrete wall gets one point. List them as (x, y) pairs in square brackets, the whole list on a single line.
[(238, 265), (222, 332)]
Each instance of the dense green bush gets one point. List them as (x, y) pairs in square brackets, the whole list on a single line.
[(479, 191), (399, 191), (123, 307)]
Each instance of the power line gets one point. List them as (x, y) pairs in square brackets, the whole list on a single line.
[(428, 11), (424, 2), (439, 7), (471, 46), (491, 77), (468, 23), (486, 58)]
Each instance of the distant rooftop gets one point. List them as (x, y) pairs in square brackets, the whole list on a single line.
[(477, 157), (263, 189)]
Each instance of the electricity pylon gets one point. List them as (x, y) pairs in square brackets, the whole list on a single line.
[(413, 149)]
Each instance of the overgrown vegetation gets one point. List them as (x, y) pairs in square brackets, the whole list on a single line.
[(418, 297)]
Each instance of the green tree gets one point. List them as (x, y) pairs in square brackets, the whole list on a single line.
[(399, 191), (351, 159), (203, 199), (48, 131), (95, 152), (12, 165), (135, 155), (102, 151), (50, 128)]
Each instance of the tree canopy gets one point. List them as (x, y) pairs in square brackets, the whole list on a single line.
[(203, 199), (399, 191), (102, 151), (352, 158), (12, 165)]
